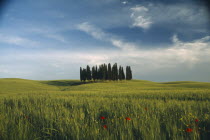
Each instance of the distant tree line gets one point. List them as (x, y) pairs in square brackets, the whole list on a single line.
[(105, 72)]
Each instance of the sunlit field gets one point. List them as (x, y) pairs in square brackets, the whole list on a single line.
[(123, 110)]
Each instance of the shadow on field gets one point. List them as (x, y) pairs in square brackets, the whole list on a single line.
[(66, 83)]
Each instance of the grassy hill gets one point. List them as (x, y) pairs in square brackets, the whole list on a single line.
[(15, 85), (137, 109)]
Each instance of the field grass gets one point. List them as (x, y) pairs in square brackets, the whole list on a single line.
[(124, 110)]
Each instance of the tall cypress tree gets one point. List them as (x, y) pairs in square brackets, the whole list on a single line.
[(127, 73), (104, 71), (109, 72), (88, 73), (123, 74), (113, 72), (120, 73), (130, 73), (116, 69), (96, 72), (81, 74), (93, 73), (84, 75), (100, 72)]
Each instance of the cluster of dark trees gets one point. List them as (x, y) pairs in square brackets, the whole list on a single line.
[(105, 72)]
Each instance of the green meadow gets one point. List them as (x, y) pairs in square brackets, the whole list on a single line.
[(123, 110)]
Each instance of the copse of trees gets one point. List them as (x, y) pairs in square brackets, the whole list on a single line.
[(105, 72)]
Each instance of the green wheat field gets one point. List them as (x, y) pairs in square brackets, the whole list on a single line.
[(123, 110)]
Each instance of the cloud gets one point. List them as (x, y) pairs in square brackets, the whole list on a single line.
[(175, 39), (4, 71), (187, 53), (179, 52), (179, 13), (57, 37), (97, 33), (50, 33), (124, 2), (19, 41), (146, 15), (139, 18), (185, 56), (92, 30), (7, 71)]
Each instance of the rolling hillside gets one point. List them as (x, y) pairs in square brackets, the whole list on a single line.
[(15, 85), (136, 109)]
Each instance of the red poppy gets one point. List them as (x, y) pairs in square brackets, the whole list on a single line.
[(196, 120), (128, 119), (102, 117), (105, 126), (189, 130)]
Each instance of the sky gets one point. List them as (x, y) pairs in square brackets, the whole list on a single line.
[(162, 40)]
